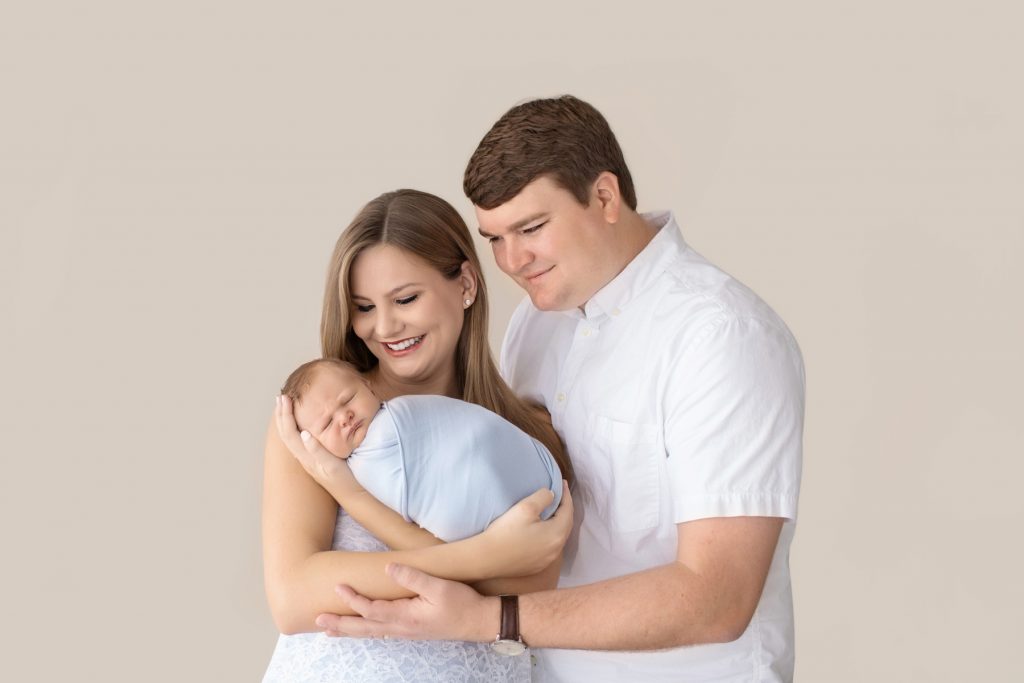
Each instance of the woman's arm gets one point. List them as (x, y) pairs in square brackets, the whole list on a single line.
[(335, 476), (548, 578), (386, 524), (301, 572), (519, 585)]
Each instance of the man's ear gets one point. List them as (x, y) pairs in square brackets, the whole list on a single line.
[(606, 193), (468, 280)]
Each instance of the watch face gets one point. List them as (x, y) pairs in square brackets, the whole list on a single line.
[(509, 647)]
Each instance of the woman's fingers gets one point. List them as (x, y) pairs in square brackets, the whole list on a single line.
[(303, 446), (285, 422), (564, 510), (534, 504)]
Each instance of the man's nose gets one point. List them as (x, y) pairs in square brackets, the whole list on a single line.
[(516, 257)]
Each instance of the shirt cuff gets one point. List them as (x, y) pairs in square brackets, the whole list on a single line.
[(687, 508)]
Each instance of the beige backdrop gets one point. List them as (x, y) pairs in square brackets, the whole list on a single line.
[(172, 179)]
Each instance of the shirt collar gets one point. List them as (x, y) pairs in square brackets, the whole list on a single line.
[(645, 268)]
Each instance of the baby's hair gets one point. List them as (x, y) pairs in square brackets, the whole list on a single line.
[(298, 382)]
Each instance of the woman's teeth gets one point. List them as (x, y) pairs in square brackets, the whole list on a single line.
[(403, 345)]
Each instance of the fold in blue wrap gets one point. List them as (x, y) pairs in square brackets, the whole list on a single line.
[(451, 466)]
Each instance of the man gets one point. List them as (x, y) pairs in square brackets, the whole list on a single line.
[(680, 397)]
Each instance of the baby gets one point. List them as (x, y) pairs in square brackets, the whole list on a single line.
[(450, 466)]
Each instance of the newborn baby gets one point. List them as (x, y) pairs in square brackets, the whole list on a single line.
[(450, 466)]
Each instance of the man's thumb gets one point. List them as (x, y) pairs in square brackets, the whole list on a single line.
[(411, 578)]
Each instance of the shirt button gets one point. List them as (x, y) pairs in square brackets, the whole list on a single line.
[(616, 311), (561, 398), (586, 332)]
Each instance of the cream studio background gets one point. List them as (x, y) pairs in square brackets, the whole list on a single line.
[(174, 177)]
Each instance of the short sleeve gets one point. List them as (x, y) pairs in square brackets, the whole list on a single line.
[(734, 406)]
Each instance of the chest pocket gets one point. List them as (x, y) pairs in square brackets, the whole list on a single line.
[(626, 486)]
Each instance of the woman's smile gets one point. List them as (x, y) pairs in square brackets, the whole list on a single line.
[(403, 347)]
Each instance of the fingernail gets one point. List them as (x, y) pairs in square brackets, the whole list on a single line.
[(321, 622), (304, 435)]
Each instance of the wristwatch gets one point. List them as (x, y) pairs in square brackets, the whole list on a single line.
[(509, 642)]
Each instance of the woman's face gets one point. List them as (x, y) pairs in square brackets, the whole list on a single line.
[(409, 315)]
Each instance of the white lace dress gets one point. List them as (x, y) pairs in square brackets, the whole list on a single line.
[(315, 658)]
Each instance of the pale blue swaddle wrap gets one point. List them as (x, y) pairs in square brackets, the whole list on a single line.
[(451, 466)]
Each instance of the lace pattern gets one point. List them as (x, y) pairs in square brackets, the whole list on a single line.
[(315, 658)]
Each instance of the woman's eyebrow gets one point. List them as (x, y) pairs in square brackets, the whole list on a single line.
[(392, 292)]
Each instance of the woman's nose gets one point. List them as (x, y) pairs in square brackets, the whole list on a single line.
[(388, 325)]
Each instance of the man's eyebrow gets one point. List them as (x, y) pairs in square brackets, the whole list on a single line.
[(515, 226), (392, 292)]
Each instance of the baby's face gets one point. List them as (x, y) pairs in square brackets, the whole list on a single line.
[(337, 409)]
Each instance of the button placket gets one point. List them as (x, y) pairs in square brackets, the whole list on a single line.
[(582, 343)]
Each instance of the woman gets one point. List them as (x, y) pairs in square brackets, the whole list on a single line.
[(405, 303)]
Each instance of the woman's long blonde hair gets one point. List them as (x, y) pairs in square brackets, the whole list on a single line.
[(430, 228)]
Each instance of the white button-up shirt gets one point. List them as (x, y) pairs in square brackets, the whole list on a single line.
[(680, 396)]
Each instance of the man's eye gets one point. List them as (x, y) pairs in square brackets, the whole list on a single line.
[(407, 300), (364, 308), (493, 239)]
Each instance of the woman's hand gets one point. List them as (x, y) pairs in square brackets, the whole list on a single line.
[(335, 476), (330, 471), (519, 543)]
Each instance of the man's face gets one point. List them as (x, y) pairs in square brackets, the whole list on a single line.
[(337, 409), (552, 246)]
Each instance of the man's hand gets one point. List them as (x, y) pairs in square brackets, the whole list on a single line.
[(516, 544), (441, 610)]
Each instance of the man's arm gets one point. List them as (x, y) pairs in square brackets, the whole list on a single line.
[(707, 595)]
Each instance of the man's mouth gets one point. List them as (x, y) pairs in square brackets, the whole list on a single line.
[(535, 276), (404, 344)]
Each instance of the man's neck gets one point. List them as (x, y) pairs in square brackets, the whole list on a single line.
[(631, 234), (636, 234)]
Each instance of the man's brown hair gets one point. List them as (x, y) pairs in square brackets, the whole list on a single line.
[(563, 138)]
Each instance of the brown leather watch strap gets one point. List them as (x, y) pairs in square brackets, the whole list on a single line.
[(509, 618)]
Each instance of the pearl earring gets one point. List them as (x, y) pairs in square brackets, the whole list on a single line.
[(467, 302)]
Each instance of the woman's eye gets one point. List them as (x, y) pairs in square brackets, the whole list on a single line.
[(535, 228), (364, 308), (407, 300)]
